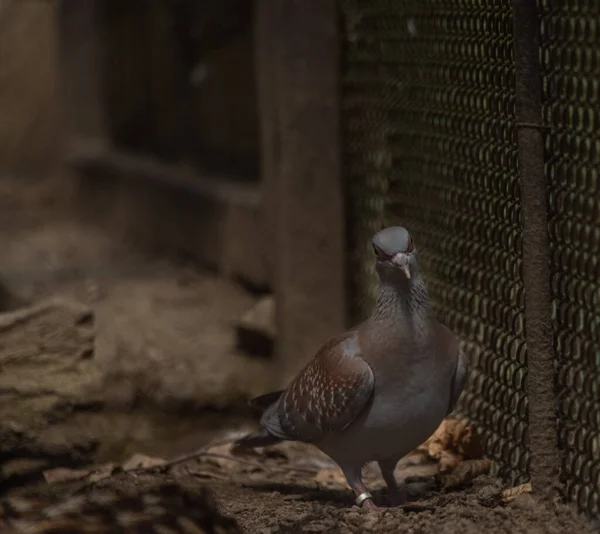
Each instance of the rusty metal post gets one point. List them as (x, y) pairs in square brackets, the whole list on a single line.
[(543, 445), (298, 65)]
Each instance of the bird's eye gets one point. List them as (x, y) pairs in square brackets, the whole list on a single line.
[(381, 256), (411, 245)]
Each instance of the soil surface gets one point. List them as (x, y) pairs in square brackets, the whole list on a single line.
[(292, 488)]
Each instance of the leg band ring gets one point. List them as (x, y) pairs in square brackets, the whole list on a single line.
[(363, 497)]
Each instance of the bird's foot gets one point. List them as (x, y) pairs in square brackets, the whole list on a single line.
[(365, 501), (370, 506)]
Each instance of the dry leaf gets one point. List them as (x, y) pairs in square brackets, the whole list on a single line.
[(202, 473), (416, 457), (64, 474), (221, 461), (454, 441), (460, 436), (332, 477), (435, 448), (103, 471), (448, 461), (237, 450), (469, 444), (141, 461), (95, 474), (465, 472), (511, 494)]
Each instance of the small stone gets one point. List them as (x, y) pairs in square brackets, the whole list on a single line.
[(488, 496), (525, 501)]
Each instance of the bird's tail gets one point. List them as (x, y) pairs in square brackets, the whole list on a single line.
[(259, 438)]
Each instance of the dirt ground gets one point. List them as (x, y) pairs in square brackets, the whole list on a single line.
[(293, 488), (267, 498), (174, 381)]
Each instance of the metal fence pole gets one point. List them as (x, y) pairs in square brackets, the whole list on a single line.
[(543, 446)]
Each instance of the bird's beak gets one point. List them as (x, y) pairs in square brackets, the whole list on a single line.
[(401, 260)]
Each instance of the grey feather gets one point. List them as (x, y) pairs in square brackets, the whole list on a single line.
[(392, 240), (459, 379)]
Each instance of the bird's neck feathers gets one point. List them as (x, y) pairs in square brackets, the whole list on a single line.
[(401, 300)]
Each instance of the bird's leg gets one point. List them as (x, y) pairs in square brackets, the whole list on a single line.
[(396, 493), (363, 497)]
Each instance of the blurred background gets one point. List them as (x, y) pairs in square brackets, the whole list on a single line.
[(187, 195)]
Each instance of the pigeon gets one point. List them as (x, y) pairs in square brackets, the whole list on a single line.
[(379, 390)]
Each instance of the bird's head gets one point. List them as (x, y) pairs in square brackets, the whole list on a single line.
[(395, 254)]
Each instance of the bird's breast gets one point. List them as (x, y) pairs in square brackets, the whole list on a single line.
[(407, 405)]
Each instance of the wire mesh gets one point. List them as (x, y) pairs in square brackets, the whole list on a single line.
[(430, 144), (570, 60)]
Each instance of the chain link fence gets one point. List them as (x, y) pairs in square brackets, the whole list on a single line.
[(570, 61), (430, 143)]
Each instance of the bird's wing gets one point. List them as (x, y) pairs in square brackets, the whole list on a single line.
[(326, 396), (460, 365), (459, 379)]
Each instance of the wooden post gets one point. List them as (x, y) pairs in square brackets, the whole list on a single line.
[(299, 90), (264, 39), (81, 51), (543, 444)]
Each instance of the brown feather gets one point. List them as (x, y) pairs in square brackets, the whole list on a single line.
[(329, 392)]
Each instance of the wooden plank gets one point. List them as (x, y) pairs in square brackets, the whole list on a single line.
[(255, 330), (299, 88), (214, 219), (81, 65)]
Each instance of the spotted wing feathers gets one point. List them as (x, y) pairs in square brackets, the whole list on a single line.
[(453, 354), (326, 396)]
